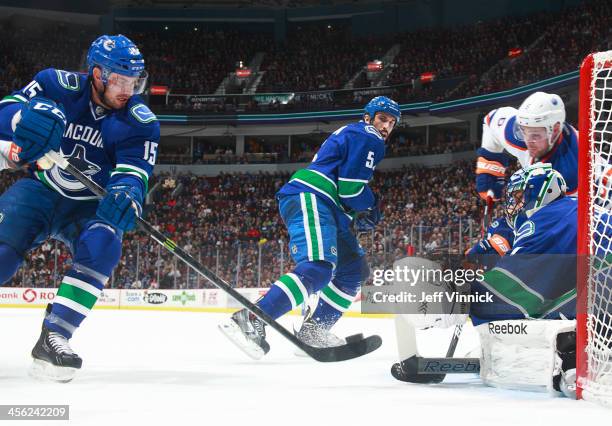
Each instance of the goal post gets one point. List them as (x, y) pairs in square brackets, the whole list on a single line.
[(594, 280)]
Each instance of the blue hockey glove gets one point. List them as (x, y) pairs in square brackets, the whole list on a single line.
[(120, 207), (368, 219), (486, 183), (40, 129), (483, 247)]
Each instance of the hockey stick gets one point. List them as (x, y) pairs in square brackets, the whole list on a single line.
[(488, 211), (417, 369), (354, 347)]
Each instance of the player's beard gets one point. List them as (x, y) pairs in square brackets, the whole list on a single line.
[(115, 102), (108, 101)]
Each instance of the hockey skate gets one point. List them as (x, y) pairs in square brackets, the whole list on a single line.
[(316, 335), (247, 332), (53, 357)]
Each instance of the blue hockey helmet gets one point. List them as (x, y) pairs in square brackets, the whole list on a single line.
[(117, 54), (383, 104), (532, 188)]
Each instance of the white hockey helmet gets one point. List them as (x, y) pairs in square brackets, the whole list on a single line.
[(542, 110)]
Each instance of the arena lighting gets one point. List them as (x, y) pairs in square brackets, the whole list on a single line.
[(243, 72), (428, 77), (158, 90), (514, 53), (375, 66)]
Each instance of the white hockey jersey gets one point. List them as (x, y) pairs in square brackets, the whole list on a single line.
[(500, 133)]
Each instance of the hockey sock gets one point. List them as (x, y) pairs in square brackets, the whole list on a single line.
[(97, 252), (337, 296), (76, 296), (9, 262), (291, 289), (334, 301)]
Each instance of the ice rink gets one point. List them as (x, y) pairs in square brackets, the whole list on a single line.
[(176, 368)]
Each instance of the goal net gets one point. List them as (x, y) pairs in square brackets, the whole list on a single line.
[(594, 283)]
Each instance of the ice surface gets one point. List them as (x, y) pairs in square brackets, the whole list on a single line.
[(176, 368)]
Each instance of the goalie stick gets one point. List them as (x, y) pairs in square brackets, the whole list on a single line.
[(418, 369), (355, 347)]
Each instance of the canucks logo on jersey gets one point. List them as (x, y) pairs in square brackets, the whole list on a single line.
[(78, 158)]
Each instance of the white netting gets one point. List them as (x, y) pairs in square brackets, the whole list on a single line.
[(598, 384)]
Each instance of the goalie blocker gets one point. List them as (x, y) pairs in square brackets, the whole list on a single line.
[(524, 354)]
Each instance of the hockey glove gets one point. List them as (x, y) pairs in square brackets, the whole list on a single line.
[(120, 207), (487, 184), (39, 128), (368, 219), (491, 173)]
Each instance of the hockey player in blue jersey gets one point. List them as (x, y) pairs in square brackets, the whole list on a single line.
[(537, 278), (100, 124), (526, 329), (319, 205)]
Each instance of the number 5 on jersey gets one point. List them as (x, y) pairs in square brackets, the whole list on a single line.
[(370, 160)]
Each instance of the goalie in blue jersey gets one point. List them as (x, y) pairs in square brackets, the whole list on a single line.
[(526, 326), (320, 205), (99, 123)]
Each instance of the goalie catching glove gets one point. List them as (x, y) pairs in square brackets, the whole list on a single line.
[(435, 302)]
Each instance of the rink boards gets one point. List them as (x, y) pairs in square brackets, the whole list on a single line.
[(190, 300)]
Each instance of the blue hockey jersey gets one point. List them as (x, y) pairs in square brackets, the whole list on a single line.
[(107, 145), (340, 172), (537, 279)]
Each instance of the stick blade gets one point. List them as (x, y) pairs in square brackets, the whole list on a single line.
[(408, 371), (352, 349)]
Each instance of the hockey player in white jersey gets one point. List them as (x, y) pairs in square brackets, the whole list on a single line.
[(535, 132)]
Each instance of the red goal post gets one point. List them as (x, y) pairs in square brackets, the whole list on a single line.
[(594, 280)]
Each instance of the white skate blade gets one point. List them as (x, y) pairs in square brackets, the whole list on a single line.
[(234, 334), (43, 370)]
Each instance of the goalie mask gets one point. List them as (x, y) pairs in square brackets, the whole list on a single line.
[(532, 188)]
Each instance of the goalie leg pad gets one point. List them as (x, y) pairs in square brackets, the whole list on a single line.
[(524, 354)]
